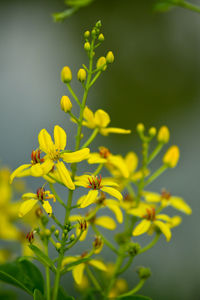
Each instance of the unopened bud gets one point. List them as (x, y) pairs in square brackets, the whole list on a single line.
[(144, 273), (86, 34), (81, 75), (58, 246), (133, 249), (163, 135), (47, 232), (171, 157), (101, 63), (72, 238), (140, 128), (101, 37), (152, 131), (66, 74), (68, 226), (87, 46), (93, 33), (53, 228), (65, 104), (110, 57), (56, 233)]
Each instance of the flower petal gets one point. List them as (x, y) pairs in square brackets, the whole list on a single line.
[(36, 170), (131, 160), (89, 117), (17, 172), (27, 196), (47, 207), (76, 156), (77, 273), (118, 162), (180, 204), (47, 166), (98, 264), (141, 228), (45, 141), (111, 204), (163, 217), (164, 229), (106, 131), (151, 197), (64, 175), (60, 138), (106, 222), (102, 118), (95, 158), (26, 206), (68, 260), (90, 198), (113, 192)]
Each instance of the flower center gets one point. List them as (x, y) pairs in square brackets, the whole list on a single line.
[(151, 214), (35, 157), (104, 152), (95, 183), (54, 154), (41, 194), (165, 195)]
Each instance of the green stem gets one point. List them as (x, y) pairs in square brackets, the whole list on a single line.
[(189, 6), (56, 221), (155, 152), (156, 174), (134, 290), (73, 117), (127, 265), (56, 195), (74, 242), (57, 278), (48, 284), (93, 280), (150, 245), (95, 78), (73, 94), (99, 168), (91, 138)]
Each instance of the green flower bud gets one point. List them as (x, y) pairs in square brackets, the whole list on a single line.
[(101, 63), (81, 75), (144, 273), (133, 249), (93, 33), (66, 74), (101, 37), (44, 220), (140, 128), (47, 232), (65, 104), (72, 238), (87, 46), (152, 131), (86, 34), (110, 57), (53, 228), (58, 246), (56, 233)]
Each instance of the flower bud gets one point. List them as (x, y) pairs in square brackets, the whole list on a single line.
[(53, 228), (140, 128), (87, 46), (86, 34), (101, 37), (144, 273), (171, 157), (101, 63), (110, 57), (81, 75), (93, 33), (121, 285), (56, 233), (58, 246), (163, 135), (47, 232), (65, 104), (133, 249), (72, 237), (152, 131), (66, 74)]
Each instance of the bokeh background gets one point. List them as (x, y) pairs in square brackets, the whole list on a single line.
[(155, 79)]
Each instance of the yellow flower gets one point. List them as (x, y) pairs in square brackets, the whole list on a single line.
[(150, 218), (100, 119), (95, 185), (78, 270), (166, 199), (105, 157), (32, 199), (171, 157), (55, 152)]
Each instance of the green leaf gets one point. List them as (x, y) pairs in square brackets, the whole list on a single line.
[(8, 295), (38, 295), (62, 294), (135, 297), (43, 258), (22, 274)]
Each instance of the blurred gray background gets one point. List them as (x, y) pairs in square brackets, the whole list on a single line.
[(155, 79)]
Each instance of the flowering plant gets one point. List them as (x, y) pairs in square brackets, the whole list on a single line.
[(123, 192)]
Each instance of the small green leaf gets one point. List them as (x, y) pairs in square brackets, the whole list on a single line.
[(22, 274), (135, 297), (44, 259), (38, 295)]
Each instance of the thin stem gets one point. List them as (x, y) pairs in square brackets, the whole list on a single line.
[(93, 280), (150, 245), (74, 242), (189, 6), (156, 174), (95, 78), (91, 138), (126, 266), (57, 278), (73, 116), (56, 221), (48, 284), (73, 94), (56, 195), (134, 290), (99, 168), (155, 152)]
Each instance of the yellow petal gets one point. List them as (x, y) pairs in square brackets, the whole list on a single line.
[(106, 222), (84, 234), (47, 166), (47, 207), (26, 206), (102, 119), (74, 218), (36, 170), (27, 196), (17, 172), (106, 131), (118, 162), (109, 182), (77, 273), (180, 204), (151, 197), (113, 192), (164, 229), (98, 264), (111, 204), (45, 141), (95, 158), (163, 217), (90, 198), (60, 138), (175, 221), (68, 260), (89, 117), (131, 160), (76, 156), (64, 175), (142, 227)]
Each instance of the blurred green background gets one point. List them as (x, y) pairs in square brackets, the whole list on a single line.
[(155, 79)]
